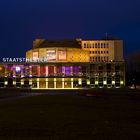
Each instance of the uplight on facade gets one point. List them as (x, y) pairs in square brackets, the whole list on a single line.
[(88, 82), (96, 82), (80, 81), (105, 82), (6, 82), (113, 82), (122, 82)]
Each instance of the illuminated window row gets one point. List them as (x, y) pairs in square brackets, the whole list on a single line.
[(96, 45), (99, 52), (99, 59)]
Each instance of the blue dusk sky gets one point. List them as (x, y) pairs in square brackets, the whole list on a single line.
[(22, 21)]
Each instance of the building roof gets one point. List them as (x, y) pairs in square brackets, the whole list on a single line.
[(58, 43)]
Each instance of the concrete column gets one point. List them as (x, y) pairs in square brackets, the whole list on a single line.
[(37, 82), (47, 83), (71, 82), (62, 82), (55, 83)]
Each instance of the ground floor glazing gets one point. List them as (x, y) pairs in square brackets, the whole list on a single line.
[(63, 76), (60, 83)]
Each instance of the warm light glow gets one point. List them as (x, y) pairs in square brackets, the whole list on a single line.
[(0, 68), (105, 82), (30, 82), (96, 82), (22, 82), (113, 82), (121, 82), (88, 82), (56, 88), (37, 82), (6, 82), (14, 82), (71, 82), (80, 81), (54, 82)]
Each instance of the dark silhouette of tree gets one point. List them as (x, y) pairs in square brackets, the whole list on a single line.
[(133, 69)]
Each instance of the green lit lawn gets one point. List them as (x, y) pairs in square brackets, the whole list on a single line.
[(70, 117)]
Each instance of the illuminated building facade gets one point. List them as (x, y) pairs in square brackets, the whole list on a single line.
[(71, 64)]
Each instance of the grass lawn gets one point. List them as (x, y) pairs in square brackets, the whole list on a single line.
[(70, 117)]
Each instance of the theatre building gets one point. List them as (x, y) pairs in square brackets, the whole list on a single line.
[(70, 64)]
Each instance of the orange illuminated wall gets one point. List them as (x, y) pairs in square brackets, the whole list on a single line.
[(61, 54)]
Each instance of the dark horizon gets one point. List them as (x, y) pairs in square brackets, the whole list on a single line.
[(24, 21)]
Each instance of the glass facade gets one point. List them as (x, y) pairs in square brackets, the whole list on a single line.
[(63, 75)]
